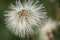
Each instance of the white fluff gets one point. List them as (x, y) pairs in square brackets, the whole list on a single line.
[(23, 17), (47, 28)]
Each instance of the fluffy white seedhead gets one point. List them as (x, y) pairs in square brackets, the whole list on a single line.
[(47, 29), (22, 18)]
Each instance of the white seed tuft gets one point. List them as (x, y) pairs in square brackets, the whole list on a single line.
[(24, 17)]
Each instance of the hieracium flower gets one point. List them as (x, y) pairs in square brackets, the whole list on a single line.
[(23, 17)]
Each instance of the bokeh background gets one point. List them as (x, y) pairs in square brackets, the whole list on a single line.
[(52, 8)]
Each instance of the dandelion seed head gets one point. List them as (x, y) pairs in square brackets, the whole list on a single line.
[(23, 17), (48, 29)]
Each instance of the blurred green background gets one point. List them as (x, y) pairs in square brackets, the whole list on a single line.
[(5, 34)]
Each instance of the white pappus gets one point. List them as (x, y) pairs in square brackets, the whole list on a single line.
[(23, 17), (48, 30)]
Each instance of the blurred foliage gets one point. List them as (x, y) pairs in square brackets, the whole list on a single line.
[(5, 34)]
